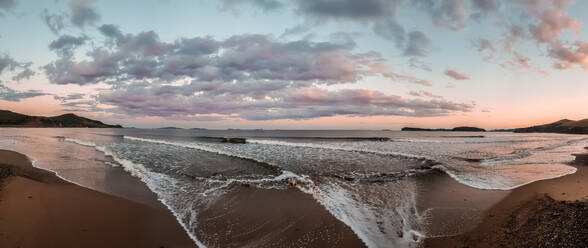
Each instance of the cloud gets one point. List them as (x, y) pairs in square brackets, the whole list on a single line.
[(8, 94), (7, 5), (449, 14), (418, 64), (485, 45), (281, 102), (296, 30), (82, 13), (265, 5), (484, 8), (567, 56), (75, 96), (112, 32), (53, 21), (66, 44), (423, 93), (552, 23), (456, 75), (348, 9), (22, 70), (418, 44), (243, 57)]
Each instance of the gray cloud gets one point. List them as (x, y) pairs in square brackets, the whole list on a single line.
[(82, 13), (348, 9), (484, 8), (418, 44), (243, 57), (296, 30), (55, 22), (112, 32), (456, 75), (416, 63), (75, 96), (66, 44), (8, 64), (423, 93), (11, 95), (265, 5), (450, 14), (7, 5)]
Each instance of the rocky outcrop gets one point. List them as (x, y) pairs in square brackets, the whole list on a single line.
[(234, 140)]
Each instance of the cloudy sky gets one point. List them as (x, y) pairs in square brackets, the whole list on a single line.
[(320, 64)]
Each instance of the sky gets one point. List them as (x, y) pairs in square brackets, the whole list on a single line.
[(297, 64)]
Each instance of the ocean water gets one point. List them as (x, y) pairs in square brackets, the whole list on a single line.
[(369, 180)]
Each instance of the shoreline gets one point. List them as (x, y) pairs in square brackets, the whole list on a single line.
[(40, 209), (546, 213)]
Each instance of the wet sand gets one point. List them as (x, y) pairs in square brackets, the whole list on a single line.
[(253, 217), (547, 213), (38, 209)]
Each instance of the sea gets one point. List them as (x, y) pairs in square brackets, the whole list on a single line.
[(368, 180)]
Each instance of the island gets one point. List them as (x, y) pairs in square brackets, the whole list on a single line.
[(12, 119), (561, 126), (170, 128), (456, 129)]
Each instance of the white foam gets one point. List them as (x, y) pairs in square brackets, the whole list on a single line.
[(331, 147), (149, 178), (136, 170), (374, 226), (193, 146), (508, 177)]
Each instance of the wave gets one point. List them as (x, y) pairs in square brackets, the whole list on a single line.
[(375, 224), (351, 138), (343, 204), (523, 153), (139, 171), (136, 170), (271, 167), (331, 147), (508, 178), (383, 177)]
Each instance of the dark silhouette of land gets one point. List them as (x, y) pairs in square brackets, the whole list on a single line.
[(11, 119), (561, 126), (456, 129)]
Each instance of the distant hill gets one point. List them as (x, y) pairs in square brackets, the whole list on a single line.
[(468, 129), (170, 128), (11, 119), (561, 126), (457, 129)]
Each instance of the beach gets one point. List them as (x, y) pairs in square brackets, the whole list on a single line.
[(39, 209), (174, 188), (546, 213)]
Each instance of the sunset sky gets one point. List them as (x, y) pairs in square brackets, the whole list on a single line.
[(293, 64)]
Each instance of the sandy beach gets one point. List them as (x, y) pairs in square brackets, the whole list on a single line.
[(253, 217), (547, 213), (38, 209)]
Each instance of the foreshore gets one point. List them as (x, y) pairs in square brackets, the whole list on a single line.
[(546, 213), (39, 209)]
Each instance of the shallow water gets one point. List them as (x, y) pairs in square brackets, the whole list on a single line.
[(369, 180)]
